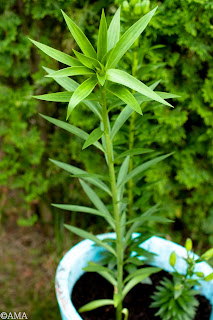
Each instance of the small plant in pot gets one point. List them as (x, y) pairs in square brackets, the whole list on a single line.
[(106, 87)]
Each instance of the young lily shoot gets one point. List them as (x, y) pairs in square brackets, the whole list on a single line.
[(176, 298), (111, 95)]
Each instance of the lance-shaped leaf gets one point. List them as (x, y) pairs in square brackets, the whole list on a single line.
[(126, 113), (121, 119), (88, 61), (90, 175), (84, 234), (155, 84), (94, 136), (103, 271), (163, 95), (114, 31), (70, 71), (134, 152), (56, 54), (126, 96), (61, 96), (71, 85), (133, 282), (121, 176), (66, 83), (75, 208), (126, 79), (95, 199), (74, 170), (145, 166), (147, 218), (137, 224), (96, 304), (127, 40), (72, 129), (80, 37), (102, 37), (123, 171), (81, 93), (94, 267), (57, 96), (139, 272)]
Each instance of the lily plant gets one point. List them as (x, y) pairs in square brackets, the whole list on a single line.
[(106, 87)]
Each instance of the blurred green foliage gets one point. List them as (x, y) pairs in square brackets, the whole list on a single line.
[(176, 48)]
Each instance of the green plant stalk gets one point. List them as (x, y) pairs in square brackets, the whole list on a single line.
[(132, 138), (119, 246)]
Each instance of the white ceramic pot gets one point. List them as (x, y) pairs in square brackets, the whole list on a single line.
[(70, 269)]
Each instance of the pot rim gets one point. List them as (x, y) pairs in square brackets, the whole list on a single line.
[(64, 270)]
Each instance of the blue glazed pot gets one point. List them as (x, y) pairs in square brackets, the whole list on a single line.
[(70, 269)]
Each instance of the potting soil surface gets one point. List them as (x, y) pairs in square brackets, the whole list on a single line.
[(92, 286)]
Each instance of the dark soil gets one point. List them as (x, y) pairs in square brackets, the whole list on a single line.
[(91, 286)]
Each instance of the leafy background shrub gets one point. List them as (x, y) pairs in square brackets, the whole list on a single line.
[(184, 63)]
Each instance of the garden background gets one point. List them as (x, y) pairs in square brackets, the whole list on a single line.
[(177, 48)]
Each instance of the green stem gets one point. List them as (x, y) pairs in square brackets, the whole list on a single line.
[(132, 138), (119, 247)]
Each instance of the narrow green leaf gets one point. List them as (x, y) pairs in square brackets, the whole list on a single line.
[(152, 218), (80, 37), (145, 166), (95, 199), (133, 282), (126, 79), (70, 71), (114, 31), (163, 95), (88, 61), (142, 271), (101, 78), (72, 129), (108, 277), (103, 271), (134, 152), (57, 96), (96, 304), (127, 40), (79, 209), (123, 171), (90, 175), (135, 261), (94, 267), (56, 54), (86, 235), (126, 113), (137, 224), (94, 136), (121, 119), (155, 84), (126, 96), (74, 170), (66, 83), (71, 85), (81, 93), (61, 97), (102, 37), (121, 176)]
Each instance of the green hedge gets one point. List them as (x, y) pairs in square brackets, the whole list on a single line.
[(185, 65)]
